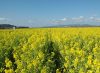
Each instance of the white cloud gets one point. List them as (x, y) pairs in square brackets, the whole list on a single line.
[(56, 22), (91, 18), (60, 21), (78, 19), (64, 19), (97, 19), (2, 19), (81, 17)]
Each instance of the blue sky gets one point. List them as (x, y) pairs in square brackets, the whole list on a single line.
[(49, 12)]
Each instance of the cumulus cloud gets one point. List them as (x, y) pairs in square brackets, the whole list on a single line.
[(91, 18), (81, 17), (56, 21), (60, 21), (95, 19), (64, 19), (3, 19), (78, 19)]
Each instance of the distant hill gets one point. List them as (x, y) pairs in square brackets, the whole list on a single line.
[(82, 25), (74, 25), (6, 26), (9, 26)]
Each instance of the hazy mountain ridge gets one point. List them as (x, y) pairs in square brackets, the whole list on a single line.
[(9, 26), (74, 25)]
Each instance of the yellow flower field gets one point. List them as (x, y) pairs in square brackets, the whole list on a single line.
[(50, 50)]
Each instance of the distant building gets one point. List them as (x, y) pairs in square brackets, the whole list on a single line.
[(14, 28)]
